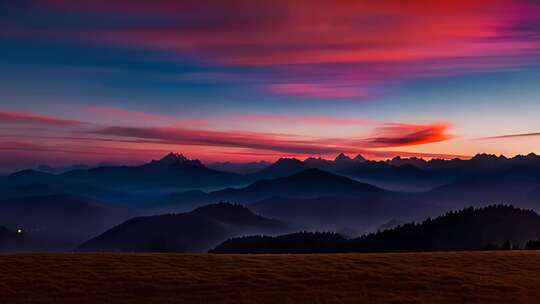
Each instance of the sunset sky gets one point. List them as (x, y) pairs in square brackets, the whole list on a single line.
[(128, 80)]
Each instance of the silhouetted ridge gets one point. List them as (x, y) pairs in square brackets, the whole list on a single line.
[(194, 231), (176, 159), (228, 212), (30, 173), (282, 167), (302, 242), (308, 183), (318, 175), (342, 158), (467, 229), (359, 158), (173, 170)]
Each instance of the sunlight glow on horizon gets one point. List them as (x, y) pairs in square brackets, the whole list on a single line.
[(128, 81)]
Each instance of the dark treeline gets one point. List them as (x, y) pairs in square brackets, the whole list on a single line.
[(301, 242), (497, 227), (533, 245)]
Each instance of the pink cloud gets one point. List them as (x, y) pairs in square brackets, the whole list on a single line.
[(390, 135), (119, 113), (330, 49), (240, 139), (29, 118), (312, 90), (306, 119), (126, 140)]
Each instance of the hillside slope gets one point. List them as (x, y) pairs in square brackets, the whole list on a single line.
[(194, 231), (468, 229)]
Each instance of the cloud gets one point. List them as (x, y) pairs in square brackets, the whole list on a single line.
[(29, 118), (111, 140), (510, 136), (306, 119), (313, 90), (115, 113), (400, 135), (390, 135), (250, 140), (17, 155), (320, 49)]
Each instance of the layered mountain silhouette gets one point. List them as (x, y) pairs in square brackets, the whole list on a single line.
[(34, 183), (310, 183), (398, 174), (355, 214), (347, 194), (467, 229), (173, 170), (379, 173), (59, 170), (415, 174), (281, 168), (194, 231), (341, 161)]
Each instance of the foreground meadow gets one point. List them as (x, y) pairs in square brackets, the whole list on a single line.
[(465, 277)]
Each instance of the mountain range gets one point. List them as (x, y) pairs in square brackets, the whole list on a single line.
[(467, 229), (195, 231), (310, 183), (346, 194), (172, 171)]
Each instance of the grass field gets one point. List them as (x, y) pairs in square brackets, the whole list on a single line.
[(473, 277)]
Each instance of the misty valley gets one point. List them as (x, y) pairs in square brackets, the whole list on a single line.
[(176, 204)]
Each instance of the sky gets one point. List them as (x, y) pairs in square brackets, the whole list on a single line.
[(126, 81)]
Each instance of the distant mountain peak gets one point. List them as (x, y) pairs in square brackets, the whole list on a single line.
[(173, 158), (359, 158), (528, 156), (488, 157), (342, 157), (195, 231), (286, 160), (177, 159)]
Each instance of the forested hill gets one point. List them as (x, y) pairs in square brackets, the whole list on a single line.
[(467, 229)]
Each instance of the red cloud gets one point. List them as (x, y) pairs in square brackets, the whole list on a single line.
[(329, 49), (28, 118), (391, 135), (115, 140), (250, 140), (399, 135)]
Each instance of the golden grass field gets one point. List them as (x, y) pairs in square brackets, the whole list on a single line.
[(468, 277)]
